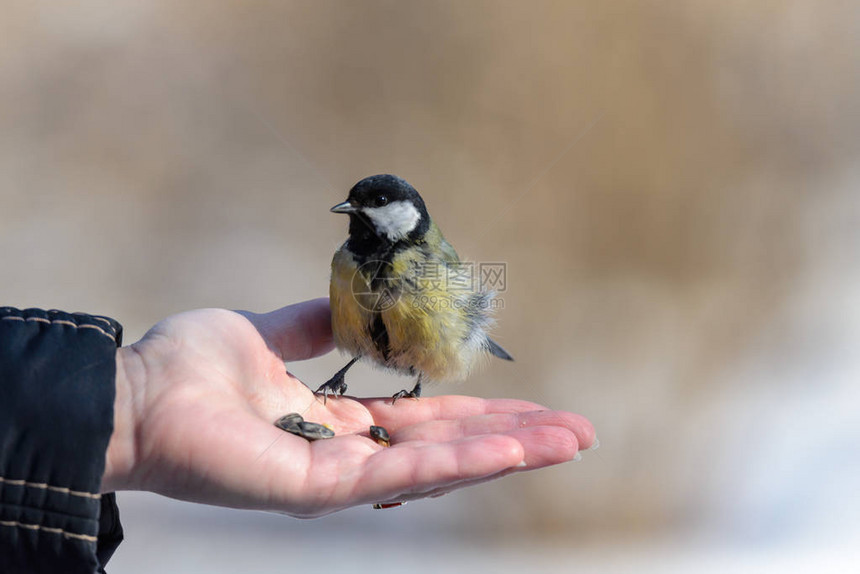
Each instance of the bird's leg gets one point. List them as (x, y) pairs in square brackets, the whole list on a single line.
[(336, 385), (413, 394)]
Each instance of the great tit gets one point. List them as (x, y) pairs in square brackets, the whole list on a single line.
[(398, 294)]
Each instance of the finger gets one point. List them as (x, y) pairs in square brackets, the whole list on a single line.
[(452, 407), (408, 412), (296, 332), (448, 430), (542, 446), (546, 446), (403, 472)]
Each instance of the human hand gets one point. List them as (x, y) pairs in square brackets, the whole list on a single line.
[(198, 394)]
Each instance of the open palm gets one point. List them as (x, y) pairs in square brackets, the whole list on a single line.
[(198, 395)]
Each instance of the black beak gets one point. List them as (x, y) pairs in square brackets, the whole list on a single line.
[(345, 207)]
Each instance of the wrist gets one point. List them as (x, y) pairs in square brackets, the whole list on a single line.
[(122, 449)]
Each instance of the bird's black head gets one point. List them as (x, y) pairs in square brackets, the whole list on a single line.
[(384, 211)]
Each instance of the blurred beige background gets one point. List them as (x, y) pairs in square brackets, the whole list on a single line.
[(673, 187)]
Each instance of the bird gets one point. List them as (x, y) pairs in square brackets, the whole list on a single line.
[(400, 297)]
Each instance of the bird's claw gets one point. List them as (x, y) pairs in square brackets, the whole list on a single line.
[(405, 394), (335, 386)]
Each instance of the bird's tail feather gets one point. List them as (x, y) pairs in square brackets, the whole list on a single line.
[(497, 351)]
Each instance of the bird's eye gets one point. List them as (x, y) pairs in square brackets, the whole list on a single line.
[(381, 200)]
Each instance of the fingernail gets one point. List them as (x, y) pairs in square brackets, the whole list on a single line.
[(521, 464), (577, 457), (596, 444), (387, 505)]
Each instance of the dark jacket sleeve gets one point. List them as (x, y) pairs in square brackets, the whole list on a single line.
[(57, 388)]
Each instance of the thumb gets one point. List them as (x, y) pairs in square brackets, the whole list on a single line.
[(296, 332)]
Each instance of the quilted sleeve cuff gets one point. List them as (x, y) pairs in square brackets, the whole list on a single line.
[(57, 389)]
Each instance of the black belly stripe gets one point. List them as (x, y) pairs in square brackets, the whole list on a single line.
[(379, 335), (373, 255)]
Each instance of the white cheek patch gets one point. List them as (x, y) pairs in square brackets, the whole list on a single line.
[(395, 220)]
